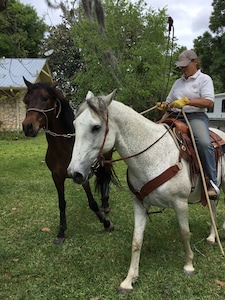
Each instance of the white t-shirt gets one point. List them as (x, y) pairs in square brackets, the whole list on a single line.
[(199, 85)]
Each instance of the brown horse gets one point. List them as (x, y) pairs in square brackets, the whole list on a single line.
[(47, 108)]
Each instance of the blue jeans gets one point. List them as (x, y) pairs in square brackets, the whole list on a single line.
[(199, 123)]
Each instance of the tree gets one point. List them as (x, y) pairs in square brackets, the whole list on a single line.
[(92, 9), (211, 48), (129, 56), (64, 57), (21, 31), (217, 19), (3, 4)]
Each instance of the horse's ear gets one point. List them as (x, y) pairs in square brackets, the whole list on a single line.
[(109, 97), (54, 84), (59, 94), (28, 83), (89, 95)]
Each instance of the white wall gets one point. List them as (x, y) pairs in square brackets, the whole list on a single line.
[(217, 115)]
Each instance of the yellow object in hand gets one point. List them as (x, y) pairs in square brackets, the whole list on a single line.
[(180, 102), (161, 105)]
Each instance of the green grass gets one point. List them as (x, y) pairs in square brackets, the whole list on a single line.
[(91, 262)]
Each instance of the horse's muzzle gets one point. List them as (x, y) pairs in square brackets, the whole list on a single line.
[(29, 130), (76, 176)]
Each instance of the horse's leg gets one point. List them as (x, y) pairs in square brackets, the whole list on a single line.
[(105, 196), (182, 216), (103, 177), (223, 225), (59, 184), (108, 225), (140, 217), (212, 236)]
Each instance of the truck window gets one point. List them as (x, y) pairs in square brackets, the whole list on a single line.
[(223, 105), (210, 109)]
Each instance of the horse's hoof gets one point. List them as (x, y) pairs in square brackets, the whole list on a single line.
[(110, 228), (189, 273), (105, 210), (210, 241), (59, 240), (122, 291)]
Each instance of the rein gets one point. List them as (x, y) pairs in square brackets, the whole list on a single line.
[(103, 161)]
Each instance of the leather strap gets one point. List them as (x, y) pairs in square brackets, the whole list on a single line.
[(154, 183)]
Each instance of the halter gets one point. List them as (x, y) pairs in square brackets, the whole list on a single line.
[(44, 111)]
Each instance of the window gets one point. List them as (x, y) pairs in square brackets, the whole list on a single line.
[(210, 109), (223, 106)]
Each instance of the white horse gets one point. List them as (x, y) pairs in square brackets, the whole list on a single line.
[(103, 123)]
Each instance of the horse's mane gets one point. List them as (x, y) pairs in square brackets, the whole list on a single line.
[(81, 108), (96, 104), (66, 115)]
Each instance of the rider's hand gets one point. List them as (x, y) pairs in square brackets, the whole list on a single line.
[(161, 105), (180, 102)]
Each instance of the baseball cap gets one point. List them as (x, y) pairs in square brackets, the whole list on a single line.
[(185, 58)]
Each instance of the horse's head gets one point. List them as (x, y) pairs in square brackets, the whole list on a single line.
[(92, 135), (40, 100)]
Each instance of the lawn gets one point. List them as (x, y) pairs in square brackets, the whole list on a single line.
[(92, 263)]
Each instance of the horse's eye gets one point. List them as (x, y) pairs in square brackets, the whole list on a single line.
[(96, 128), (45, 98)]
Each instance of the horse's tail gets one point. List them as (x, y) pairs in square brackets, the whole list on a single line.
[(106, 174)]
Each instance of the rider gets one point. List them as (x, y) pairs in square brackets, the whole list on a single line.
[(194, 93)]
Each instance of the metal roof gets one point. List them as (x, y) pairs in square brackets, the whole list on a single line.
[(12, 71)]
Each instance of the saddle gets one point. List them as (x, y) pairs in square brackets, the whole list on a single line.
[(182, 135)]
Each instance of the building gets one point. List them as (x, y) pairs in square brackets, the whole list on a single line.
[(217, 113), (13, 88)]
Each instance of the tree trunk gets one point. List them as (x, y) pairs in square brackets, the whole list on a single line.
[(3, 4)]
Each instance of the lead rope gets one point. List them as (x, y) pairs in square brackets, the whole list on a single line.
[(204, 183)]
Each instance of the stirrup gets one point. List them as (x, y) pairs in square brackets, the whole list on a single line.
[(213, 191)]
